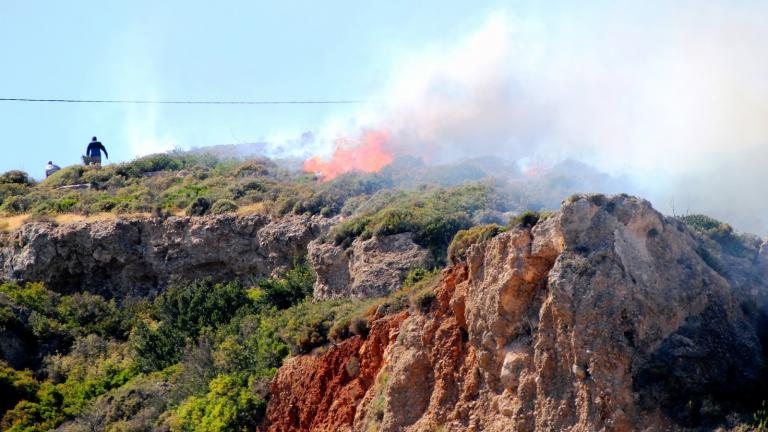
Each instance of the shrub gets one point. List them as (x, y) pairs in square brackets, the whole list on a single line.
[(17, 204), (229, 405), (359, 326), (340, 330), (157, 349), (702, 223), (760, 418), (347, 327), (16, 177), (433, 216), (289, 289), (244, 187), (86, 313), (32, 295), (66, 204), (70, 175), (419, 274), (424, 298), (466, 238), (15, 386), (350, 229), (352, 367), (528, 219), (199, 207), (150, 164), (308, 325), (8, 190), (190, 307), (223, 206), (721, 233)]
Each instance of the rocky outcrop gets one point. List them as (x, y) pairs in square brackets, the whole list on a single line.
[(606, 316), (367, 268), (123, 257), (321, 393)]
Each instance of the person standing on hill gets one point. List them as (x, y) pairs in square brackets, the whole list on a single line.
[(93, 152)]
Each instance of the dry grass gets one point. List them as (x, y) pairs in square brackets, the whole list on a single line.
[(10, 223), (68, 218), (263, 208)]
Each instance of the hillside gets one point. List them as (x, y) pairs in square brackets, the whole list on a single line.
[(185, 292)]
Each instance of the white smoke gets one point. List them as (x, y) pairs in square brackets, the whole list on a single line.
[(143, 134), (674, 94)]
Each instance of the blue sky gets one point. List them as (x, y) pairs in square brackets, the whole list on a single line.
[(196, 50)]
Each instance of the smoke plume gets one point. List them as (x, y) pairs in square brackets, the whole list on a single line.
[(673, 95)]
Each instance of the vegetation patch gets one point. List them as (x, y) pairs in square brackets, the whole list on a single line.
[(529, 219), (433, 216), (465, 238), (723, 234)]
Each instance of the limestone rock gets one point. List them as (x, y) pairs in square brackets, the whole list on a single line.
[(123, 257), (368, 268)]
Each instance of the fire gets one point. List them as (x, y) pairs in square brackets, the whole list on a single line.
[(368, 156)]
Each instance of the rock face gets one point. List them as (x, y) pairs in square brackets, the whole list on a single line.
[(123, 257), (368, 268), (322, 393), (606, 316)]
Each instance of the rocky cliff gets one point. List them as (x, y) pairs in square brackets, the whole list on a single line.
[(605, 316), (120, 257), (367, 268)]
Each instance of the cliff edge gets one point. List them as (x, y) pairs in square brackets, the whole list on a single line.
[(605, 316), (121, 257)]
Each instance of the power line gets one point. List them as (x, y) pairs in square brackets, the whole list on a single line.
[(189, 102)]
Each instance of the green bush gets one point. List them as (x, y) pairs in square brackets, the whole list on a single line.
[(8, 190), (466, 238), (158, 349), (433, 216), (15, 386), (358, 326), (199, 207), (348, 230), (419, 274), (289, 289), (89, 375), (424, 299), (15, 177), (190, 307), (70, 175), (17, 204), (150, 164), (702, 223), (721, 233), (329, 198), (31, 295), (85, 313), (229, 405), (528, 219), (340, 330), (223, 206)]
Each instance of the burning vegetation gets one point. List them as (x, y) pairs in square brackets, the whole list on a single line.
[(369, 155)]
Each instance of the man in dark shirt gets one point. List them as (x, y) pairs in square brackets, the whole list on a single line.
[(93, 153)]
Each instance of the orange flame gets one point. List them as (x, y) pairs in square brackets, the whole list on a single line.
[(369, 156)]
